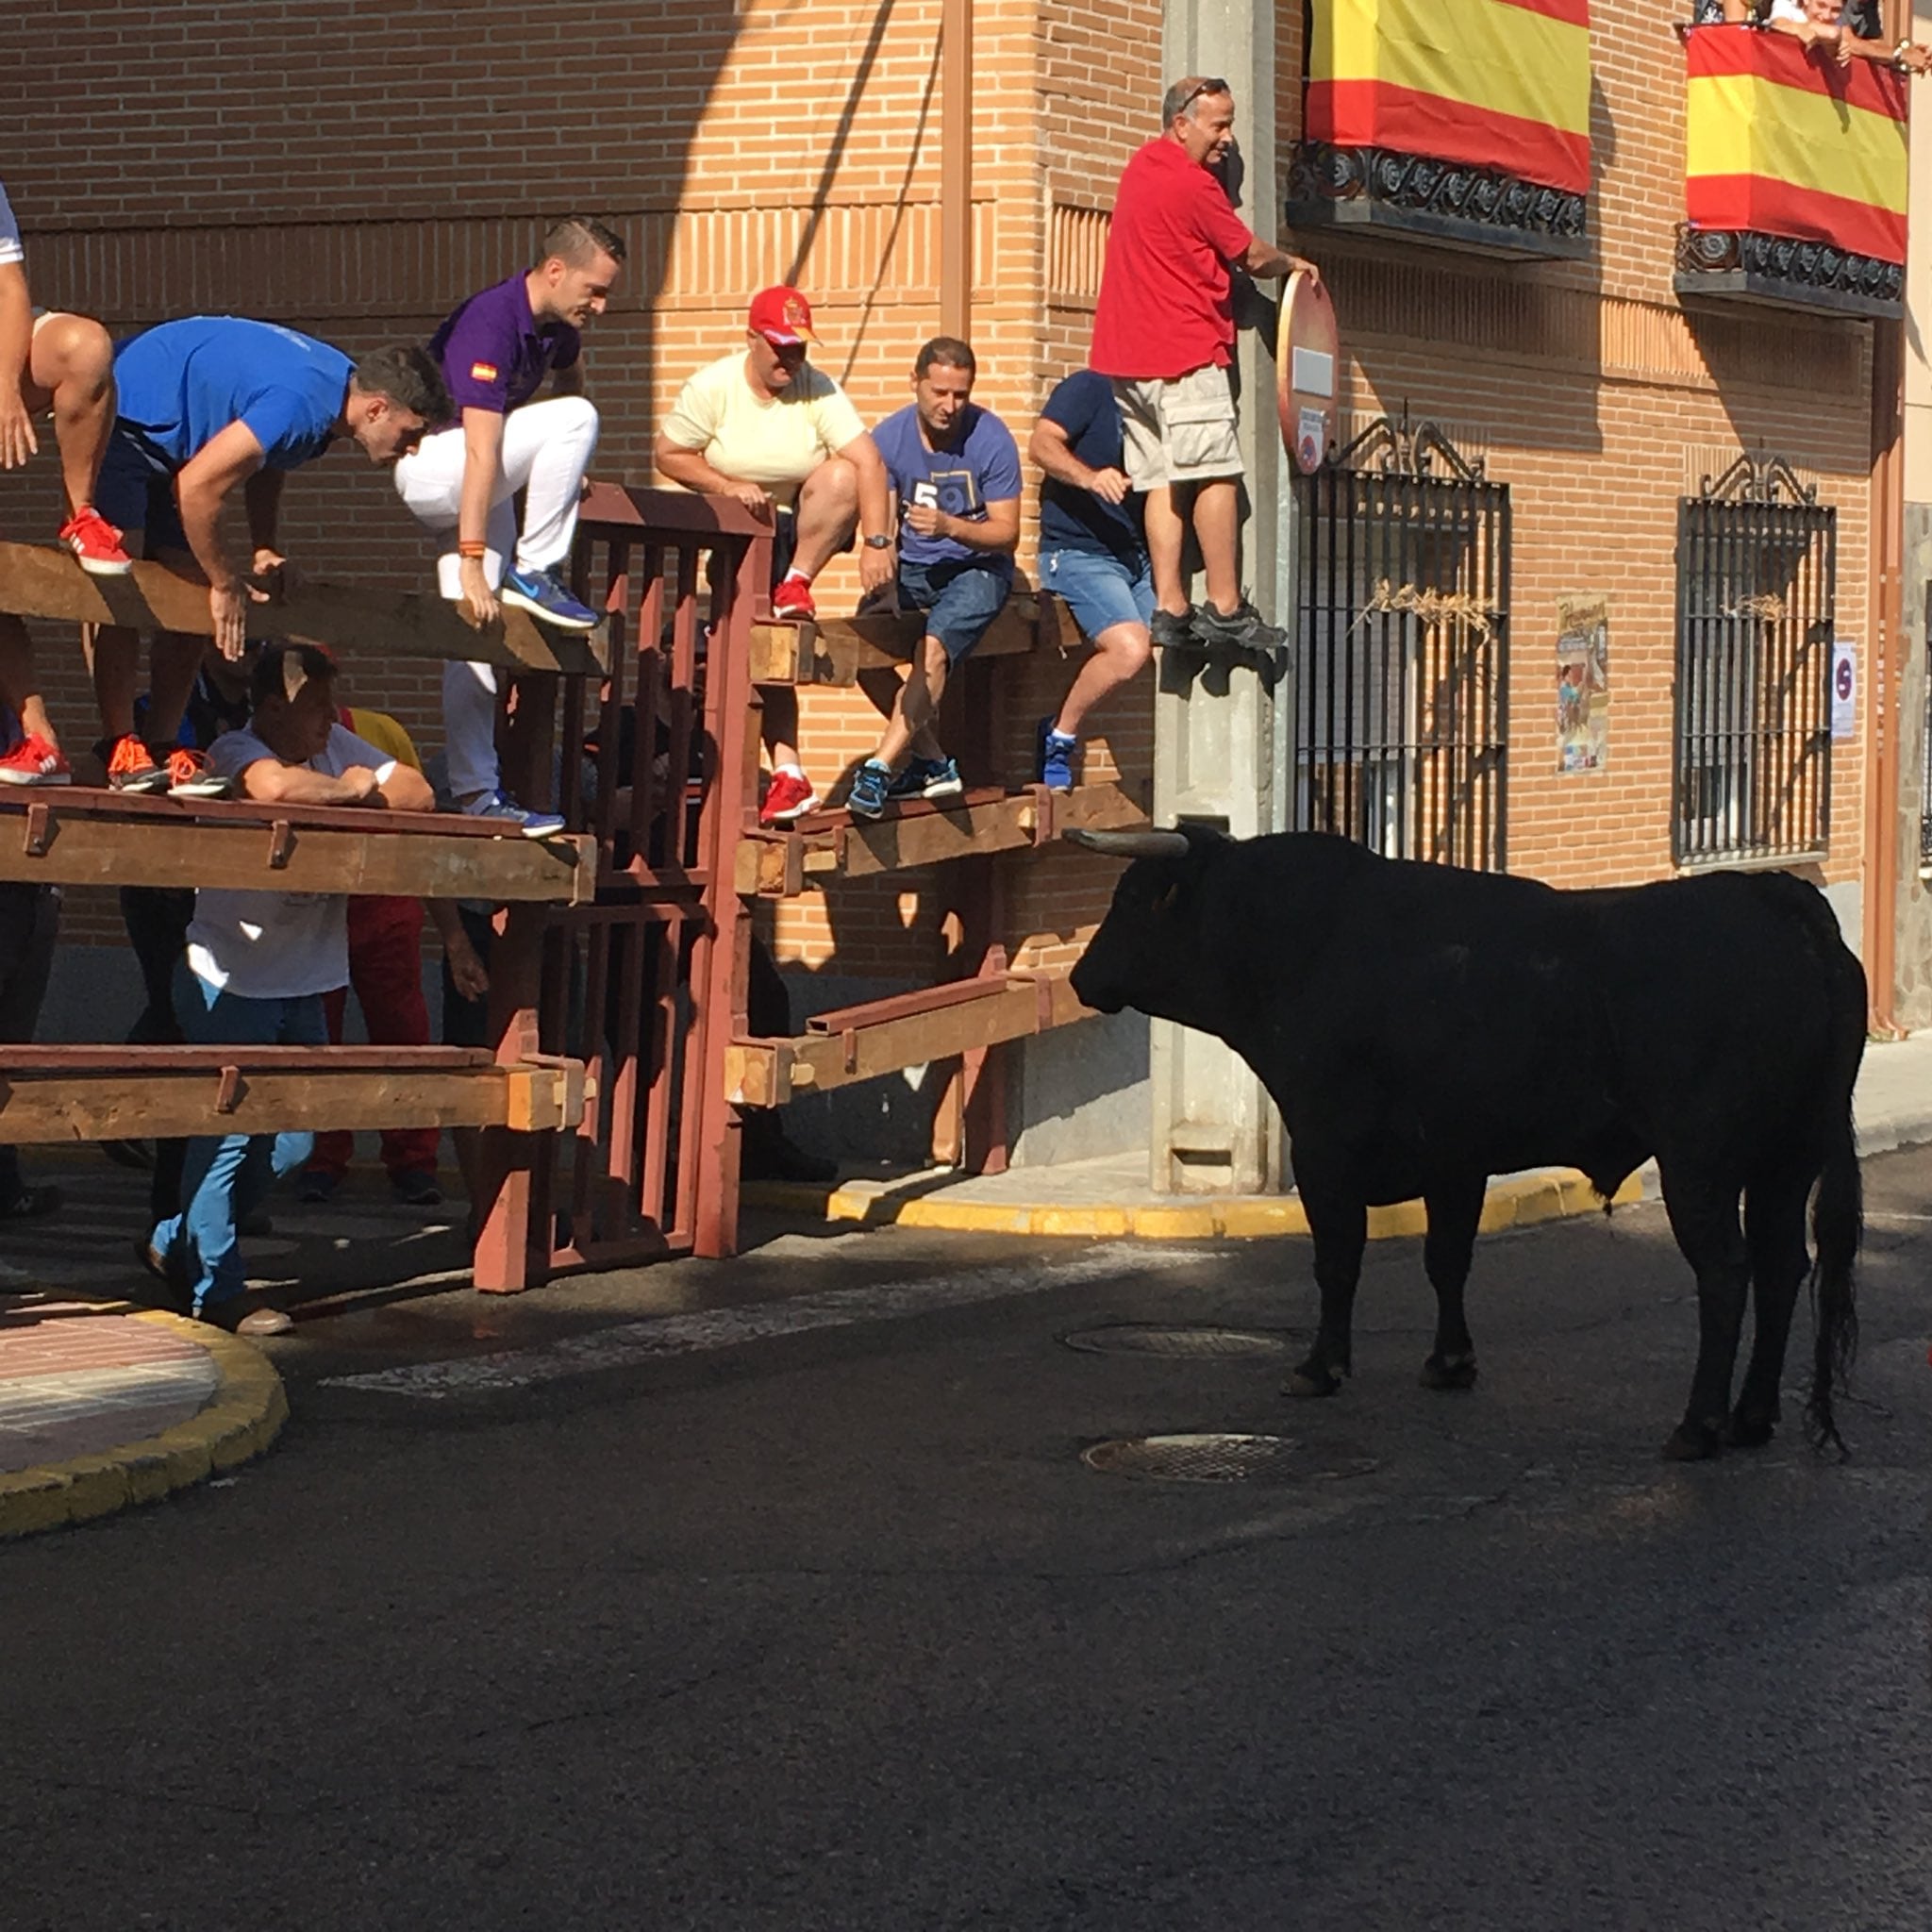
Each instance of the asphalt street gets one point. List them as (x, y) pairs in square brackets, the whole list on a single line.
[(778, 1596)]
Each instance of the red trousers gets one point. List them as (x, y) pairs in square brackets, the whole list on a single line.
[(386, 971)]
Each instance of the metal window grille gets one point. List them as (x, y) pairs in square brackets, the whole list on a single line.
[(1756, 566), (1403, 639)]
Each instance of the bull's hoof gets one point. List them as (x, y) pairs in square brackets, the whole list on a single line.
[(1449, 1371), (1314, 1378), (1694, 1443), (1748, 1431)]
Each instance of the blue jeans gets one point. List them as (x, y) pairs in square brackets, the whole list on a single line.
[(960, 600), (226, 1179), (1100, 587)]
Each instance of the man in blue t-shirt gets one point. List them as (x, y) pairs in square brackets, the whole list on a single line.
[(209, 407), (955, 474), (1092, 552)]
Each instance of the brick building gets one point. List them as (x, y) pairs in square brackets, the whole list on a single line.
[(353, 169)]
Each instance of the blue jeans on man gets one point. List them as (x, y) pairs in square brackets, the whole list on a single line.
[(226, 1179)]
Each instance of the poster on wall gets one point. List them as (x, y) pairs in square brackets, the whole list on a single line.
[(1844, 690), (1583, 683)]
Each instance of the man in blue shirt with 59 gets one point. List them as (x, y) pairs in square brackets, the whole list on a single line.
[(956, 473)]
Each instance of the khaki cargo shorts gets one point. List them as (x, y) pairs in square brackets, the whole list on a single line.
[(1179, 429)]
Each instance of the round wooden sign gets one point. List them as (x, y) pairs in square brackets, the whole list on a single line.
[(1307, 370)]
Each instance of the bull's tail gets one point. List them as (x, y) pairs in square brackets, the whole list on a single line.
[(1837, 1222)]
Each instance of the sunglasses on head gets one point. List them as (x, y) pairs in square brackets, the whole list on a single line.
[(1212, 86)]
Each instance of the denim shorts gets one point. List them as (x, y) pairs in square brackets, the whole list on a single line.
[(136, 491), (960, 600), (1099, 587)]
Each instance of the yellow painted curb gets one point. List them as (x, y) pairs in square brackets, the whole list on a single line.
[(1520, 1202), (240, 1420)]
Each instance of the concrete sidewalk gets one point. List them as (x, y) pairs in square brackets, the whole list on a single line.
[(1108, 1197), (104, 1405)]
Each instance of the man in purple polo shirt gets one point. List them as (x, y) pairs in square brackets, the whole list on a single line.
[(495, 351)]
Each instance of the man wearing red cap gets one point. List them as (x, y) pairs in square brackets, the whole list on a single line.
[(762, 426)]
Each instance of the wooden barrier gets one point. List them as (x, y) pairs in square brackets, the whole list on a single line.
[(36, 581), (834, 650), (64, 1093), (71, 836), (806, 856), (887, 1036)]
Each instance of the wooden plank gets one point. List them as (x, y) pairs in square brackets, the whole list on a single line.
[(56, 1106), (835, 650), (833, 846), (768, 1073), (350, 619), (139, 1062), (259, 852), (622, 508)]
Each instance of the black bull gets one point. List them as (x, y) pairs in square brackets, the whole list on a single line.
[(1421, 1028)]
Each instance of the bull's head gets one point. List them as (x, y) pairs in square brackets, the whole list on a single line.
[(1147, 951)]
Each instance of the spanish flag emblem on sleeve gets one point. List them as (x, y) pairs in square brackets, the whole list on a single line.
[(482, 371), (1784, 141), (1501, 84)]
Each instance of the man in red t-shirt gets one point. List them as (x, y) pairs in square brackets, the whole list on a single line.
[(1163, 330)]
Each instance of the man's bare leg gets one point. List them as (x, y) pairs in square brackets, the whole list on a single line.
[(909, 727), (827, 515), (114, 658), (1118, 654), (71, 370), (1216, 520), (19, 687), (1166, 533), (781, 723)]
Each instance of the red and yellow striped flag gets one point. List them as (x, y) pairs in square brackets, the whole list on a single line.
[(1783, 140), (1500, 84)]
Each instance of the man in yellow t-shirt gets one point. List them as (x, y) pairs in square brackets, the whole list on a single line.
[(765, 427)]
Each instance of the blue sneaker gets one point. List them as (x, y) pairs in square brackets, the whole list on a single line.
[(871, 788), (532, 824), (1056, 756), (928, 778), (542, 594)]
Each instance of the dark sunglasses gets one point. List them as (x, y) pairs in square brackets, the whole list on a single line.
[(1214, 86)]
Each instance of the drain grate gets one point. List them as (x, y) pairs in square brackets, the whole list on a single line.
[(1199, 1458), (1200, 1344)]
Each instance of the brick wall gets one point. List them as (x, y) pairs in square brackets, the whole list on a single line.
[(377, 165)]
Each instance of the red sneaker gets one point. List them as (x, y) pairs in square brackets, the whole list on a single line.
[(131, 767), (96, 543), (788, 796), (34, 762), (191, 775), (791, 602)]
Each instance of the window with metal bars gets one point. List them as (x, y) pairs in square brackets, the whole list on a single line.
[(1402, 643), (1757, 570)]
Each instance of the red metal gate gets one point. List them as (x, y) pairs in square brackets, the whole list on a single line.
[(647, 984)]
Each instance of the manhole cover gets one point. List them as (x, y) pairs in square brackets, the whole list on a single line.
[(1151, 1337), (1199, 1458)]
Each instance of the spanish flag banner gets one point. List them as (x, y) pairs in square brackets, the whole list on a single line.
[(1781, 138), (1501, 84)]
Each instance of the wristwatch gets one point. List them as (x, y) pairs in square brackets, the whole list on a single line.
[(878, 543)]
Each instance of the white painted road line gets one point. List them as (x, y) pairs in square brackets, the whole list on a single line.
[(713, 1328)]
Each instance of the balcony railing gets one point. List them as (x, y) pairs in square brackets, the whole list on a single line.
[(1794, 175), (1461, 122)]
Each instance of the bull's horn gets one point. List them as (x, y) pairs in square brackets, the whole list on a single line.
[(1148, 844)]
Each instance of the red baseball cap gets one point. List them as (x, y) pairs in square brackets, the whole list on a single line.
[(782, 316)]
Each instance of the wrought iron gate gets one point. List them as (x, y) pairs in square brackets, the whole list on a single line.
[(1403, 640), (1756, 582)]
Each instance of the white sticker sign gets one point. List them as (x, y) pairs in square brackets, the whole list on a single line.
[(1844, 691)]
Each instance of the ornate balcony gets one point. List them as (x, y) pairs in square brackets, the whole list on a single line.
[(1461, 122), (1794, 176)]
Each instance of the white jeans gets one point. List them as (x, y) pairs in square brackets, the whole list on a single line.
[(547, 448)]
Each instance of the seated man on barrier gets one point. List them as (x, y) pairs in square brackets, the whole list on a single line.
[(259, 965), (765, 427), (64, 363), (1092, 555), (496, 351), (955, 471), (211, 407)]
